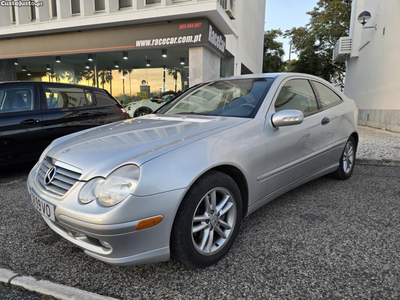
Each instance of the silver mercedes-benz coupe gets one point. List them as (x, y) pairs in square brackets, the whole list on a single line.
[(179, 181)]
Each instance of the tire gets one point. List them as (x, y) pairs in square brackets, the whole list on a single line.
[(347, 161), (204, 241), (142, 111)]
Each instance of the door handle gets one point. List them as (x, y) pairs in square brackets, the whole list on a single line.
[(325, 121), (30, 122)]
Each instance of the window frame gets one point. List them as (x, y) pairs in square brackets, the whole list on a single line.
[(36, 102), (269, 80), (312, 89), (318, 96), (44, 98)]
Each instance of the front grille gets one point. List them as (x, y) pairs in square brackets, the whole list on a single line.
[(66, 176)]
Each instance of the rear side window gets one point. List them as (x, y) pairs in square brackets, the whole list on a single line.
[(297, 94), (325, 95), (67, 97), (103, 99), (17, 98)]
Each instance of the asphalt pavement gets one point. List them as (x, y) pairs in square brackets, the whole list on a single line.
[(328, 239)]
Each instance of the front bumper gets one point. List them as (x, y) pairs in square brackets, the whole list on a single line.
[(109, 234)]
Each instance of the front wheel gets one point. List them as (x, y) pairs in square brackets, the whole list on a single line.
[(347, 161), (142, 111), (207, 221)]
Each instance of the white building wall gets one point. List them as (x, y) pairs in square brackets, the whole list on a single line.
[(247, 46), (373, 70)]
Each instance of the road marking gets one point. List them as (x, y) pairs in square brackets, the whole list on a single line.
[(45, 287)]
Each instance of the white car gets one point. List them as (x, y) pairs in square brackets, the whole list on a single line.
[(147, 106)]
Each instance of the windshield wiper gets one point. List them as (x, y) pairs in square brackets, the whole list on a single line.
[(190, 113)]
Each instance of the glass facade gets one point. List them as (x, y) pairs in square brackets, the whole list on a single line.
[(127, 75)]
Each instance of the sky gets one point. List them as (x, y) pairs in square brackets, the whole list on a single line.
[(286, 14)]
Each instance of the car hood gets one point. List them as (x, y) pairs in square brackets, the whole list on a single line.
[(100, 150)]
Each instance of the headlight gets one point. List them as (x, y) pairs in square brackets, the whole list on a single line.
[(112, 190)]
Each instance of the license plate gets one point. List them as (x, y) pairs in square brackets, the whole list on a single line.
[(46, 209)]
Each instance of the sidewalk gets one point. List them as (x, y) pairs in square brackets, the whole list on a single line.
[(378, 147)]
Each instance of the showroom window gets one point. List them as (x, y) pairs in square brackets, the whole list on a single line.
[(67, 97), (54, 8), (99, 5), (75, 7), (125, 3), (297, 94), (15, 99), (325, 95)]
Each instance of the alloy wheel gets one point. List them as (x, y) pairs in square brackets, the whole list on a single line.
[(348, 157), (213, 221)]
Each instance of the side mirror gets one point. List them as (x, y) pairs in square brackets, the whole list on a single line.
[(287, 117)]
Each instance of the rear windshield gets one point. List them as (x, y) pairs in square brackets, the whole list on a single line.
[(230, 98)]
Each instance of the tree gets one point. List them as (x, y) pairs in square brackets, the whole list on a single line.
[(174, 72), (104, 76), (87, 75), (273, 52), (315, 42)]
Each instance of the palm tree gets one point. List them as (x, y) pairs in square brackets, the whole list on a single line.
[(105, 77), (87, 75), (174, 72), (124, 72)]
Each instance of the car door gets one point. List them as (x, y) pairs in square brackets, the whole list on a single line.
[(331, 102), (299, 150), (21, 136), (66, 109)]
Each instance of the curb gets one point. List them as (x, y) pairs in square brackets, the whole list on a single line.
[(45, 287), (378, 162)]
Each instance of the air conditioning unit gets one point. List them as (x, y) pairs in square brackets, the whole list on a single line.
[(228, 6), (342, 49)]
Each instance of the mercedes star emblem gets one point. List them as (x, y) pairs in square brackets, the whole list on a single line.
[(50, 174)]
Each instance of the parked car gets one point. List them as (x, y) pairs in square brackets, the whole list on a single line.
[(164, 97), (33, 114), (148, 106), (180, 181)]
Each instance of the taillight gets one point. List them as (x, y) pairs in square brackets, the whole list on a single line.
[(123, 111)]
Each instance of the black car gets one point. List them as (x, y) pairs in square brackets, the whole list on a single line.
[(32, 114)]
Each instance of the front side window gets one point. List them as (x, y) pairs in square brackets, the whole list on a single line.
[(325, 95), (16, 99), (67, 97), (231, 98), (297, 94)]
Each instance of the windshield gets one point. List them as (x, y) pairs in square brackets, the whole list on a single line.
[(231, 98)]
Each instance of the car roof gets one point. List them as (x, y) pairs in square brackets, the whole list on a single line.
[(50, 83)]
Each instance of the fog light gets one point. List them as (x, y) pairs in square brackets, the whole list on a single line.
[(105, 244)]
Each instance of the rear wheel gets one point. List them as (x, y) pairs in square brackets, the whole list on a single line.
[(347, 161), (207, 221)]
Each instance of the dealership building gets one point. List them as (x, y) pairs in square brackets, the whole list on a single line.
[(132, 48)]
